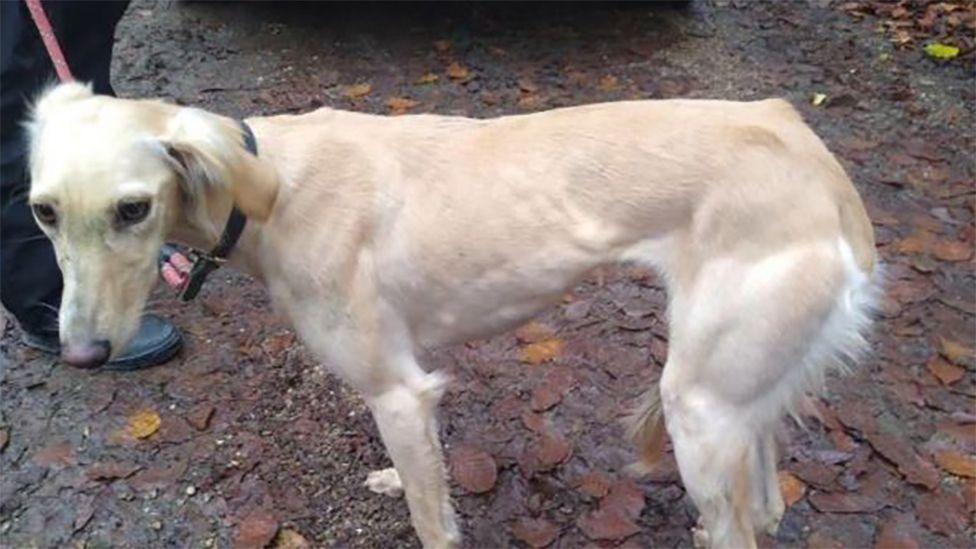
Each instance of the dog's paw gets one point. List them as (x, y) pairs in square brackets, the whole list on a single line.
[(385, 481), (699, 536)]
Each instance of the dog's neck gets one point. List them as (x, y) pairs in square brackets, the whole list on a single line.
[(203, 234)]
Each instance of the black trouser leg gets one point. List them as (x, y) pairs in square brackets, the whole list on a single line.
[(30, 281)]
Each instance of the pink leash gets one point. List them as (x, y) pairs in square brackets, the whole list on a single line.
[(50, 41)]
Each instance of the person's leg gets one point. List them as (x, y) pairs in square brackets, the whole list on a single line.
[(30, 280)]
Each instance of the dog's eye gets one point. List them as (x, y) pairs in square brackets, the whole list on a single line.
[(130, 213), (45, 214)]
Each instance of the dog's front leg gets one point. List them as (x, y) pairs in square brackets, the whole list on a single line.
[(406, 416)]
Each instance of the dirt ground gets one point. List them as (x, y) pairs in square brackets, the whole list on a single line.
[(256, 442)]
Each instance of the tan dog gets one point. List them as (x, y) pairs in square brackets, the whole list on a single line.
[(383, 236)]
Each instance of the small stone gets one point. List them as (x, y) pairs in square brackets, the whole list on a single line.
[(191, 490), (156, 525)]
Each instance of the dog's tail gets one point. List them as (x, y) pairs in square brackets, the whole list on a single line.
[(645, 426)]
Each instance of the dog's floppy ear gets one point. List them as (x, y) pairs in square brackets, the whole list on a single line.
[(208, 153)]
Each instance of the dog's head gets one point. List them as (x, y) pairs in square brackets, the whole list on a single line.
[(110, 180)]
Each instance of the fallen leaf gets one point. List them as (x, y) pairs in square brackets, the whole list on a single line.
[(553, 388), (400, 105), (818, 99), (942, 512), (957, 463), (594, 484), (791, 487), (4, 438), (529, 101), (58, 454), (357, 91), (527, 85), (534, 532), (626, 497), (84, 510), (608, 83), (900, 452), (533, 421), (457, 71), (578, 310), (143, 423), (199, 416), (290, 539), (956, 352), (842, 502), (941, 52), (428, 78), (607, 524), (275, 345), (952, 250), (111, 470), (896, 533), (543, 351), (534, 332), (943, 371), (474, 469), (256, 530), (551, 450)]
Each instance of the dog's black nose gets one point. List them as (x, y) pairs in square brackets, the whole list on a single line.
[(86, 355)]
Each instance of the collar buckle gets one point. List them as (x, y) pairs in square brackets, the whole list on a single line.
[(205, 263)]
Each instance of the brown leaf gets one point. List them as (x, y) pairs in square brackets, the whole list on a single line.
[(357, 91), (474, 469), (400, 105), (942, 512), (915, 469), (527, 85), (842, 502), (545, 396), (58, 454), (529, 101), (290, 539), (4, 438), (607, 524), (534, 332), (924, 149), (427, 78), (543, 351), (943, 371), (608, 83), (256, 530), (551, 450), (534, 532), (957, 463), (956, 352), (457, 71), (897, 533), (626, 497), (111, 470), (533, 422), (594, 484), (199, 416), (791, 487), (952, 250), (84, 510)]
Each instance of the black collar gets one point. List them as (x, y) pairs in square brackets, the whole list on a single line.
[(206, 263)]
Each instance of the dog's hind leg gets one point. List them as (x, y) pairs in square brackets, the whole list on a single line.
[(740, 356), (767, 504), (406, 415)]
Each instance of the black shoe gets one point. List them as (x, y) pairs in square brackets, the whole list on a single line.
[(156, 342)]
